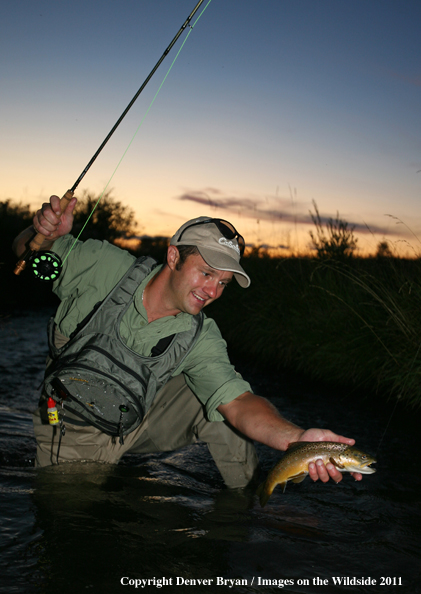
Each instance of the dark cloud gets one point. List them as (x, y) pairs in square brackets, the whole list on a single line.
[(276, 209), (414, 80)]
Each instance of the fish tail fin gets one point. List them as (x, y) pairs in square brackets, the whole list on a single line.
[(264, 497), (264, 492)]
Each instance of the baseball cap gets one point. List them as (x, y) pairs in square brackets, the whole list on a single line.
[(218, 242)]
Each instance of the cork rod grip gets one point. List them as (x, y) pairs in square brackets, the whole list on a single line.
[(37, 241)]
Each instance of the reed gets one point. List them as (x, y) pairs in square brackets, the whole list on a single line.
[(354, 321)]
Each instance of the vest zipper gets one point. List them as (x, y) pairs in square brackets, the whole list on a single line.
[(111, 358), (104, 374), (118, 363)]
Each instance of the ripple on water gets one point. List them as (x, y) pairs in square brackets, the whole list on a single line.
[(169, 514)]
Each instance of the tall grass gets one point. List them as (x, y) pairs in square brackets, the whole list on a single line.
[(354, 321)]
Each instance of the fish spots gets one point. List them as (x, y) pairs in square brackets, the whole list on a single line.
[(299, 455)]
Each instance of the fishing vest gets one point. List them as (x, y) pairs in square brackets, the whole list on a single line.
[(98, 379)]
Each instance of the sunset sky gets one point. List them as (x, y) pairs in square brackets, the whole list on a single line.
[(269, 106)]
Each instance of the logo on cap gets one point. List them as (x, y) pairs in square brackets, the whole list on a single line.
[(229, 243)]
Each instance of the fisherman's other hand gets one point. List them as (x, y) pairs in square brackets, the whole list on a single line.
[(51, 222), (317, 470)]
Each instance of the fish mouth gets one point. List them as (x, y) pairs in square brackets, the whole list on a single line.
[(363, 468), (366, 468)]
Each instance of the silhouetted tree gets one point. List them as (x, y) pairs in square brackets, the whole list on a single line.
[(383, 250), (337, 242), (110, 220), (14, 218), (156, 247)]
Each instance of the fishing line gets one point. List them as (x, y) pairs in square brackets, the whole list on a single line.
[(388, 423), (135, 134), (48, 265)]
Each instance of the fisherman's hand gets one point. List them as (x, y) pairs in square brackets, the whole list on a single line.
[(318, 470), (51, 222)]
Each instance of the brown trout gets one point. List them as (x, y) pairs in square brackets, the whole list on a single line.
[(293, 466)]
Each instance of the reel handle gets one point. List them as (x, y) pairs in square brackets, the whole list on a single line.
[(38, 239)]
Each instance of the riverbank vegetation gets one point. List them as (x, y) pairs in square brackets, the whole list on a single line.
[(333, 316), (353, 323)]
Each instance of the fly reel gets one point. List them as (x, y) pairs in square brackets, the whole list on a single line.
[(46, 266)]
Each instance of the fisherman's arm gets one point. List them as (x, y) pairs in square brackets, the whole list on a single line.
[(259, 420), (50, 222)]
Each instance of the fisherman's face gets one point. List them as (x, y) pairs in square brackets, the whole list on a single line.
[(196, 284)]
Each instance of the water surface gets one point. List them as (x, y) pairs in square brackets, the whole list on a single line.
[(87, 527)]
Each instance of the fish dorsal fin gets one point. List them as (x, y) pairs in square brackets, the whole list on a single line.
[(296, 444)]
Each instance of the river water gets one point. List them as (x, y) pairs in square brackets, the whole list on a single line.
[(167, 518)]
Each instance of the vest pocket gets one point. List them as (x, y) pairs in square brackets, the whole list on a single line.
[(96, 397)]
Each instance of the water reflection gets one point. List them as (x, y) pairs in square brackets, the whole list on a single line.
[(83, 527), (100, 523)]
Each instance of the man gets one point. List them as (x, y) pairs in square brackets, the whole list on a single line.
[(201, 397)]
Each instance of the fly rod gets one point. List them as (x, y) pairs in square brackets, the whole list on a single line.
[(48, 266)]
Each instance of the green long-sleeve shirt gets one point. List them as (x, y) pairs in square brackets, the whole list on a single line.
[(91, 271)]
